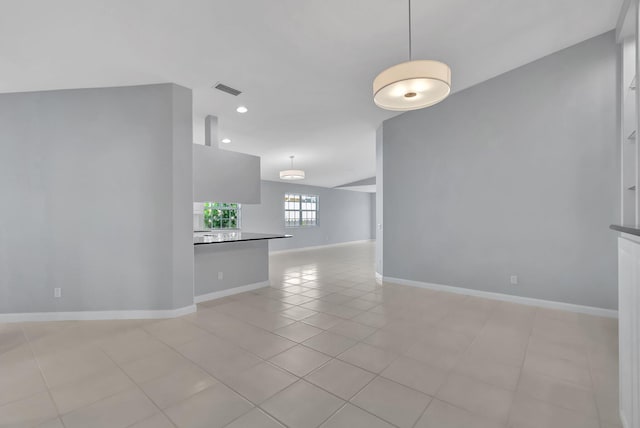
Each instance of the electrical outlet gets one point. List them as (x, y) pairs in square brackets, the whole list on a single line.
[(57, 293), (220, 276), (514, 279)]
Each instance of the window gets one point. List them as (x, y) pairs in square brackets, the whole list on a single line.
[(300, 210), (218, 215)]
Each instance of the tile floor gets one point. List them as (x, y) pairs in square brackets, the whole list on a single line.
[(323, 346)]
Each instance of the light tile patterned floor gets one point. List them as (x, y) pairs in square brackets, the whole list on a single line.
[(323, 346)]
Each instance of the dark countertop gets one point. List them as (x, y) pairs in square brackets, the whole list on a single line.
[(632, 230), (203, 238)]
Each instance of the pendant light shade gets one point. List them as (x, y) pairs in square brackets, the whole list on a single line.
[(412, 85), (292, 174)]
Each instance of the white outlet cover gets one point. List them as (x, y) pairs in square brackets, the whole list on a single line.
[(514, 279)]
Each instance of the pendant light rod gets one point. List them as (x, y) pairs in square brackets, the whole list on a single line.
[(410, 53)]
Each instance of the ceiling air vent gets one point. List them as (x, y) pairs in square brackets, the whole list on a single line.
[(228, 89)]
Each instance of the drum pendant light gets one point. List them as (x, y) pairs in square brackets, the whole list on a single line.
[(412, 85), (292, 174)]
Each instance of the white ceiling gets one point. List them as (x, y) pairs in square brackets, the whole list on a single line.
[(305, 66)]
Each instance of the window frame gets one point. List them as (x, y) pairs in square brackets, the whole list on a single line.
[(223, 206), (300, 210)]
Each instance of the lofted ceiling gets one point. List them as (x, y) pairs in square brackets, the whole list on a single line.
[(305, 66)]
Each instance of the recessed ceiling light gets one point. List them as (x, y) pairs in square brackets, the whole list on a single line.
[(226, 140), (242, 109)]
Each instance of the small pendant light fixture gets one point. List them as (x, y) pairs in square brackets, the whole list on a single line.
[(292, 174), (412, 85)]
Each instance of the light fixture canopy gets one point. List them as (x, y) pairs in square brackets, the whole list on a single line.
[(292, 174), (412, 85)]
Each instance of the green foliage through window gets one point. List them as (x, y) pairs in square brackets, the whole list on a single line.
[(218, 215)]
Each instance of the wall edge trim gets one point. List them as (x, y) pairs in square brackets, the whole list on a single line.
[(529, 301), (97, 315)]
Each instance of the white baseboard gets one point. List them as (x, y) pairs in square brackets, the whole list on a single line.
[(126, 315), (318, 247), (589, 310), (230, 292), (97, 315)]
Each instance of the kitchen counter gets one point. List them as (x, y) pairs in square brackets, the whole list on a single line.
[(204, 238), (632, 230)]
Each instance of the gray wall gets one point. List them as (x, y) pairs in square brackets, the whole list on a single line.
[(96, 189), (515, 176), (223, 175), (344, 216)]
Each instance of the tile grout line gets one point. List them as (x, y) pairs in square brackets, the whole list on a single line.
[(577, 385), (376, 375), (44, 379), (214, 377), (139, 387), (593, 388), (526, 351), (331, 393)]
